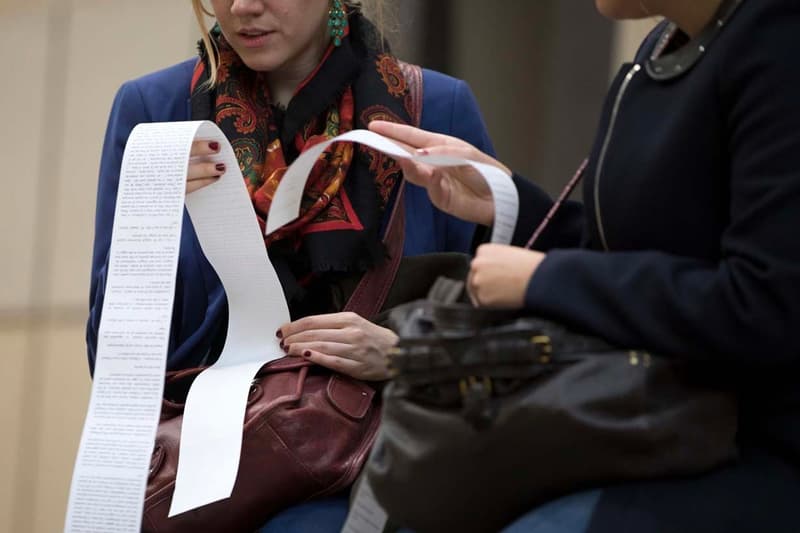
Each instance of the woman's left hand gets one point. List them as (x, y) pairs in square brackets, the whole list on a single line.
[(499, 275), (344, 342)]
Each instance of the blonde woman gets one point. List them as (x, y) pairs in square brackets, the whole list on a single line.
[(277, 76)]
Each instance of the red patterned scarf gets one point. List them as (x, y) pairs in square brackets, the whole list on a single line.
[(338, 230)]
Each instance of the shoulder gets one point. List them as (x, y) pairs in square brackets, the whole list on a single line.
[(768, 27), (450, 107), (439, 82), (443, 94), (756, 61), (160, 95), (173, 79)]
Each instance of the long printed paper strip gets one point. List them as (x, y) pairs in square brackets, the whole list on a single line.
[(113, 460), (286, 202)]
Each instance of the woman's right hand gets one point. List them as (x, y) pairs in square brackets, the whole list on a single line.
[(203, 171), (459, 191)]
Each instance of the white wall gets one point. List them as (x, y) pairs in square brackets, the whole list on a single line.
[(63, 61)]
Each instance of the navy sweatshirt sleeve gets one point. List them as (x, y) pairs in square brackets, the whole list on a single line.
[(745, 307)]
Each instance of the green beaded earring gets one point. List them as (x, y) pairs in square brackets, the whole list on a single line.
[(337, 22)]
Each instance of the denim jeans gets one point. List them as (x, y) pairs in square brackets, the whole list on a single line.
[(570, 514), (325, 515)]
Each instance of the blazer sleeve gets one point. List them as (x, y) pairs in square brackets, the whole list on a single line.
[(127, 111), (745, 308), (565, 228)]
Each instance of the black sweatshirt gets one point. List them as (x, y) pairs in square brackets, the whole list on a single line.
[(688, 240)]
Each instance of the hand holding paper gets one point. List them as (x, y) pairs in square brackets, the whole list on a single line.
[(466, 183), (460, 191)]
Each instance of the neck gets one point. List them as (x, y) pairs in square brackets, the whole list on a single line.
[(691, 16), (284, 81)]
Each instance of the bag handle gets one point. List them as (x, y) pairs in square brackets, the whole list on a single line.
[(371, 292), (558, 203)]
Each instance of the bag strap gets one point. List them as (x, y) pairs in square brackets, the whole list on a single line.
[(371, 292), (413, 76), (558, 203)]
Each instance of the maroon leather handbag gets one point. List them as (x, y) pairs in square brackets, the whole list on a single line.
[(307, 430)]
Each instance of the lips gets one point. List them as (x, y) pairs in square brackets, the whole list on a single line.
[(254, 37)]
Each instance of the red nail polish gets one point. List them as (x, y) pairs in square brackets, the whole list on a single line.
[(279, 334), (220, 167), (214, 145), (307, 353)]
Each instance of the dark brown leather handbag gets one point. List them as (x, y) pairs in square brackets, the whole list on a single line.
[(307, 431), (492, 412)]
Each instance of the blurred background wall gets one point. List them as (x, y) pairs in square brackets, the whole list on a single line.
[(538, 68)]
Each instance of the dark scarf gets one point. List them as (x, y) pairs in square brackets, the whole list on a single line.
[(338, 232)]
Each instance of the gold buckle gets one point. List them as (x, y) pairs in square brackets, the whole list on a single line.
[(465, 383), (636, 358), (545, 345)]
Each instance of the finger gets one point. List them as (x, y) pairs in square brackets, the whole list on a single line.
[(337, 349), (328, 321), (406, 134), (203, 148), (337, 364), (417, 173), (472, 288), (347, 335), (407, 147), (488, 250), (201, 170), (449, 152)]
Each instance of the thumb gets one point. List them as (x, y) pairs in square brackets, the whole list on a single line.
[(417, 173)]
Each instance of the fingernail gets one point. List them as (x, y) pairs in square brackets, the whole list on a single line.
[(285, 348), (214, 145), (307, 353), (279, 334), (423, 151), (283, 345), (220, 167)]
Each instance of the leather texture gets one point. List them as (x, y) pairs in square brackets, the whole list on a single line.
[(492, 413), (307, 433)]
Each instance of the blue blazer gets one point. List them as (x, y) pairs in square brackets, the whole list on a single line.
[(448, 107)]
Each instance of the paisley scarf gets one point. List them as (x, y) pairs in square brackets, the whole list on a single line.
[(338, 232)]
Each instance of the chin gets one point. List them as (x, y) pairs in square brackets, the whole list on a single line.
[(620, 9), (261, 61)]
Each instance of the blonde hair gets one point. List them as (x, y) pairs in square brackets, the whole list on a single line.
[(375, 10)]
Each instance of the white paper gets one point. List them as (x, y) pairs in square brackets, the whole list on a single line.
[(211, 433), (286, 202), (113, 461), (366, 515), (110, 476)]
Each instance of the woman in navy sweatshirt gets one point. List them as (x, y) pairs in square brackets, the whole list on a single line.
[(686, 243)]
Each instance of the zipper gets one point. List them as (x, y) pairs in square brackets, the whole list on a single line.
[(606, 142)]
